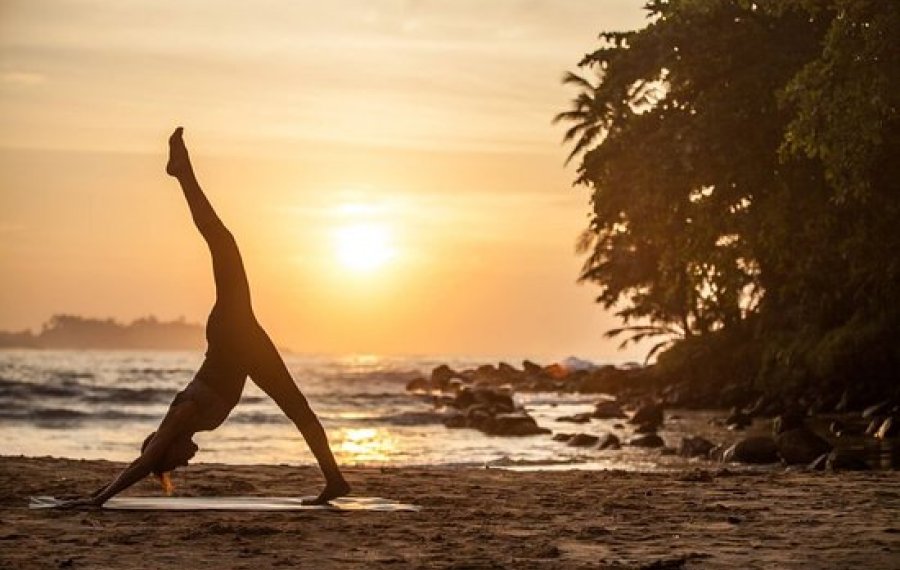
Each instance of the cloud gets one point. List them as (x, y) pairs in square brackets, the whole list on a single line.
[(24, 78)]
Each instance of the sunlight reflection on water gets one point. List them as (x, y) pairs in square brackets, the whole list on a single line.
[(364, 445)]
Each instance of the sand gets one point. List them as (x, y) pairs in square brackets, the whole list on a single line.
[(708, 517)]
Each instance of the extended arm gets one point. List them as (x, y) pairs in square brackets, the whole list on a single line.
[(177, 422)]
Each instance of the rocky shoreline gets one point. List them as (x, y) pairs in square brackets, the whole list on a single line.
[(481, 398)]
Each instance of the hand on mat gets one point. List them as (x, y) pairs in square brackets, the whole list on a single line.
[(81, 503)]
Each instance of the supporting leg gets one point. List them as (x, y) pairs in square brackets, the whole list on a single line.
[(269, 372)]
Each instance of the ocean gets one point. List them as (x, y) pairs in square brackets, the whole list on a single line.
[(102, 404)]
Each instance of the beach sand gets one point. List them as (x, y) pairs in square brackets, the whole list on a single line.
[(708, 517)]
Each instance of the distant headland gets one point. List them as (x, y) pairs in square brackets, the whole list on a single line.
[(72, 331)]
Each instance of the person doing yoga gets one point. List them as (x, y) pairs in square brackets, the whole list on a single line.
[(237, 347)]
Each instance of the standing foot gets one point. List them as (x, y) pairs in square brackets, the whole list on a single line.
[(332, 490)]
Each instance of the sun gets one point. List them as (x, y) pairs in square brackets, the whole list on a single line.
[(363, 246)]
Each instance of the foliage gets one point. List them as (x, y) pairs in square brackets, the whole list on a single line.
[(741, 157)]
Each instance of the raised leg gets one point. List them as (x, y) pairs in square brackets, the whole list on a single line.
[(232, 289), (269, 372)]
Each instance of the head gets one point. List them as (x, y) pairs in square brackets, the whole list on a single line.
[(178, 454)]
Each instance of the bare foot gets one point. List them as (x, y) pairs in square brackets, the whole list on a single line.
[(179, 161), (332, 490)]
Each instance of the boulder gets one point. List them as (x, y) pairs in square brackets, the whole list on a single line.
[(610, 441), (737, 420), (649, 414), (479, 416), (844, 404), (532, 368), (454, 386), (583, 440), (876, 410), (800, 446), (562, 436), (456, 421), (507, 370), (498, 401), (608, 410), (441, 375), (576, 419), (557, 371), (515, 424), (717, 453), (649, 440), (874, 425), (889, 428), (845, 460), (695, 447), (787, 421), (847, 428), (757, 449), (418, 385), (646, 428)]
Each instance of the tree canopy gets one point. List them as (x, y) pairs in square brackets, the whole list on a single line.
[(743, 162)]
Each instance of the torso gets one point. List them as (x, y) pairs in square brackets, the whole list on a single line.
[(218, 384)]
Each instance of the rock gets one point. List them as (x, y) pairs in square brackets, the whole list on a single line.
[(455, 386), (583, 440), (576, 419), (819, 463), (738, 420), (441, 375), (507, 370), (843, 429), (695, 447), (645, 428), (845, 460), (649, 414), (479, 416), (610, 441), (877, 410), (843, 404), (608, 410), (787, 421), (649, 440), (562, 436), (668, 451), (418, 385), (874, 425), (456, 421), (889, 428), (515, 424), (557, 371), (497, 400), (757, 449), (839, 428), (757, 407), (800, 446), (532, 368), (717, 453)]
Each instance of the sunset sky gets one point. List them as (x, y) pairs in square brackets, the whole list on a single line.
[(389, 168)]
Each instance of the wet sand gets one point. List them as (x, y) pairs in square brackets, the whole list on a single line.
[(708, 517)]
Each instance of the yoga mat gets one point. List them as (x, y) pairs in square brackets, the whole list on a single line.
[(235, 504)]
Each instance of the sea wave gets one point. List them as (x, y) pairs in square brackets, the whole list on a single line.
[(61, 414), (15, 392)]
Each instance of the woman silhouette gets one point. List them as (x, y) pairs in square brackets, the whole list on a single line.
[(237, 347)]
